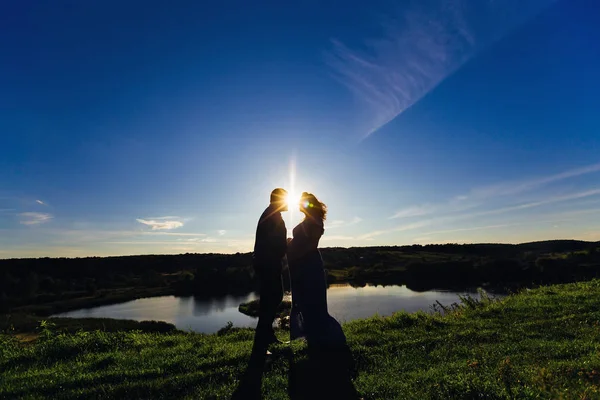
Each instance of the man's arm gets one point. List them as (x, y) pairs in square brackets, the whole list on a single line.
[(279, 239)]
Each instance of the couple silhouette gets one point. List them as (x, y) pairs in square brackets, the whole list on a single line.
[(327, 364)]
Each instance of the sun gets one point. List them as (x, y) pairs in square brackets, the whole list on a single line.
[(292, 199)]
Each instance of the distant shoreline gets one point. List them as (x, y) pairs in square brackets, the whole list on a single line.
[(401, 246), (47, 286)]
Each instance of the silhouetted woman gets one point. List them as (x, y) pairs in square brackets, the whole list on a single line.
[(309, 316)]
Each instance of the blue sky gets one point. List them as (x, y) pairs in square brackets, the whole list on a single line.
[(143, 127)]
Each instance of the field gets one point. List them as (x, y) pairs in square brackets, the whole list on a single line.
[(540, 343)]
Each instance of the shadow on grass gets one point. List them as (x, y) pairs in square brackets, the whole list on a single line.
[(145, 385), (322, 374), (66, 389), (251, 381), (316, 374)]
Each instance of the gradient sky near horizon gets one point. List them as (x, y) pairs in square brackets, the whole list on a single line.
[(150, 127)]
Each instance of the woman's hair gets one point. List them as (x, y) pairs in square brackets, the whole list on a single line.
[(312, 207)]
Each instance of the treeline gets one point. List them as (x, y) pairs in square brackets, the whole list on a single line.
[(448, 266), (44, 280), (460, 267), (500, 273)]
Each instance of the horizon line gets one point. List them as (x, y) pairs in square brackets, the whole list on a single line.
[(323, 248)]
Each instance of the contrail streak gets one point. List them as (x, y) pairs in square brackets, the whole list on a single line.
[(422, 44)]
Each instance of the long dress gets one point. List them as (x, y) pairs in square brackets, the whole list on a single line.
[(309, 316)]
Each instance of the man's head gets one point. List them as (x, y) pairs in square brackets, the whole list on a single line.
[(279, 199)]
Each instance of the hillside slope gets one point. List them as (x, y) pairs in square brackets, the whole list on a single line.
[(542, 343)]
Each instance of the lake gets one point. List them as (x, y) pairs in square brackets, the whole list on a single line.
[(209, 315)]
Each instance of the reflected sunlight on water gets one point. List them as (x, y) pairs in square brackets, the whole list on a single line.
[(209, 315)]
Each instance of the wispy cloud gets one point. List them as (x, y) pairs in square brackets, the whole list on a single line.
[(355, 220), (40, 202), (546, 201), (401, 228), (414, 211), (474, 228), (422, 43), (140, 242), (174, 233), (199, 240), (341, 223), (335, 223), (34, 218), (502, 210), (479, 196), (512, 188), (179, 242), (222, 232), (574, 213), (161, 223), (445, 214), (452, 219), (328, 238)]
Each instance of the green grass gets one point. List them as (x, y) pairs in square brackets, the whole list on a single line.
[(25, 323), (542, 343)]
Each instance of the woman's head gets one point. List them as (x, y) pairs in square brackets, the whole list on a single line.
[(312, 207)]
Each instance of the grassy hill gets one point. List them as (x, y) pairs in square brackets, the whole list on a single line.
[(541, 343)]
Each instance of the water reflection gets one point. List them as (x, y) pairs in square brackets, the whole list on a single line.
[(186, 303), (209, 315), (186, 313), (347, 303), (203, 306)]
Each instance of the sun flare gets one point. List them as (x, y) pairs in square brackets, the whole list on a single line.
[(292, 199)]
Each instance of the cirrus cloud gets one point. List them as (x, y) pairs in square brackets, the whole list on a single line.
[(161, 223), (341, 223), (421, 43), (34, 218), (414, 211)]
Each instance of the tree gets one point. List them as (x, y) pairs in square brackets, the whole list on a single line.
[(31, 284)]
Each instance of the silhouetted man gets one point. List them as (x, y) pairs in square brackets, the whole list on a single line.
[(269, 250)]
